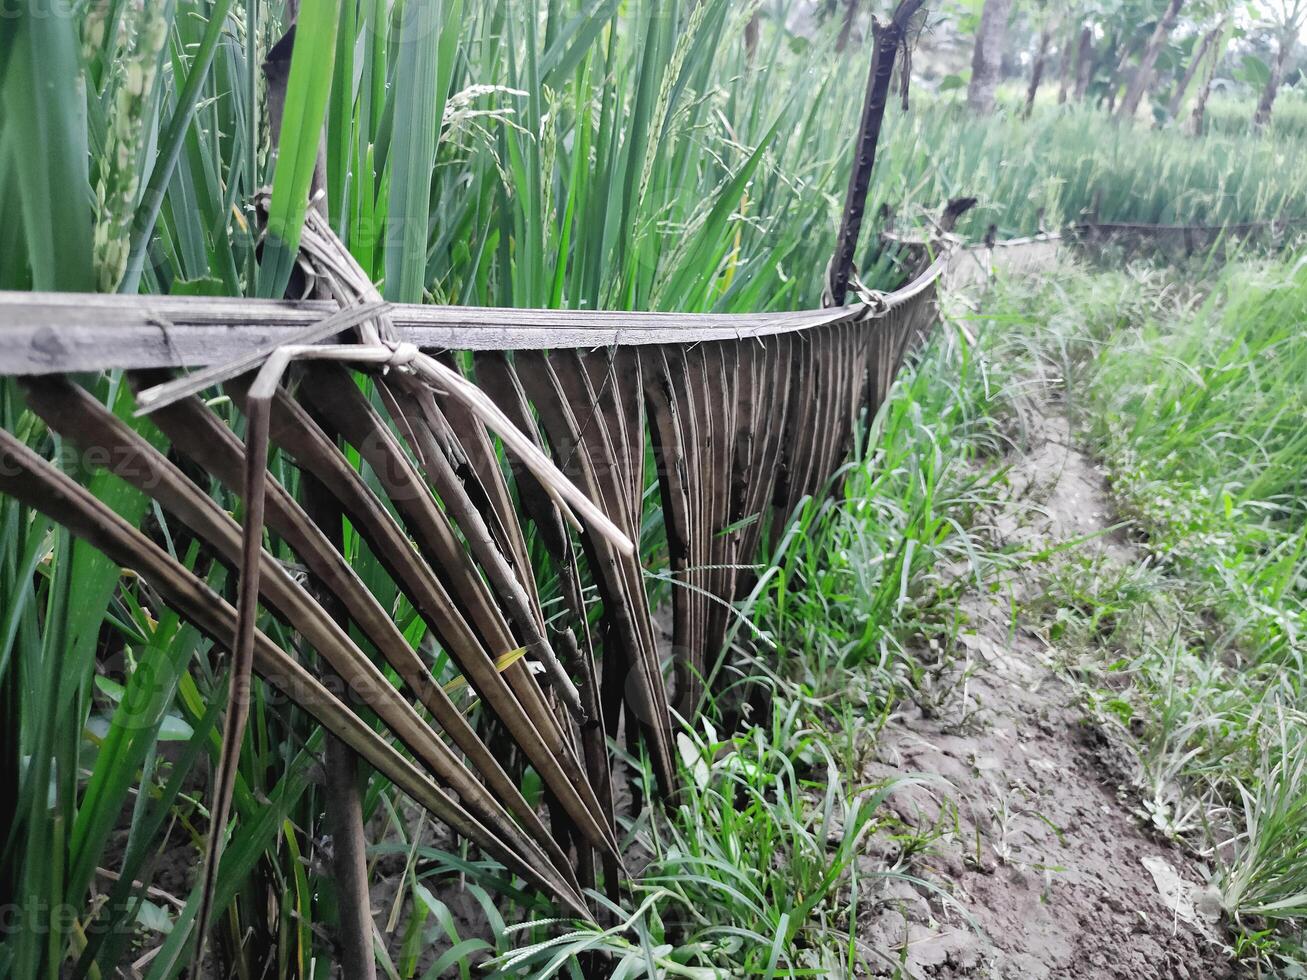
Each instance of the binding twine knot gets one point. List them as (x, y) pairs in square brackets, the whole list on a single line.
[(874, 300)]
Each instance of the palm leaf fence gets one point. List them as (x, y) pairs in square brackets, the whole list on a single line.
[(742, 418), (434, 436), (972, 264), (975, 262), (1181, 240)]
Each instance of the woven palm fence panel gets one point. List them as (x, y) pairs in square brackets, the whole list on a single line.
[(446, 440), (493, 471), (1181, 241), (974, 265)]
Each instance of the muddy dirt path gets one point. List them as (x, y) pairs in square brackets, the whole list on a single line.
[(1030, 835)]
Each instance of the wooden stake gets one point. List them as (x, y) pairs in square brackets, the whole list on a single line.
[(888, 39)]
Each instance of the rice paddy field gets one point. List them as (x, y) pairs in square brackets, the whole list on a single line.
[(1021, 694)]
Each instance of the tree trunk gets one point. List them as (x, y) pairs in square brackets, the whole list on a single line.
[(1177, 100), (887, 39), (1084, 63), (1037, 71), (1066, 68), (1117, 54), (349, 863), (1118, 72), (1143, 75), (1197, 117), (1267, 102), (1129, 47), (987, 58), (846, 28)]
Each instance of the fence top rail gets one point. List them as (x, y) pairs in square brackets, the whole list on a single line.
[(49, 333), (1271, 224), (921, 242)]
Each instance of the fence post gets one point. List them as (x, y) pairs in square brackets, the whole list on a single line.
[(887, 40)]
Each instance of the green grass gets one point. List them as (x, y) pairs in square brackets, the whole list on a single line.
[(1191, 394), (1207, 448), (1221, 500), (756, 871)]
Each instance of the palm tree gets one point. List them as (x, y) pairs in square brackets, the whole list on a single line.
[(987, 58), (1144, 73), (1289, 18)]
